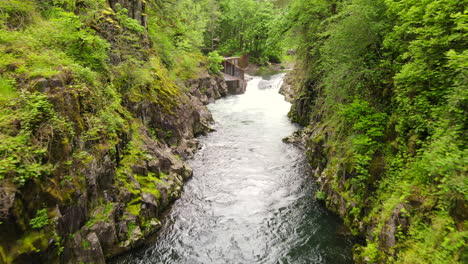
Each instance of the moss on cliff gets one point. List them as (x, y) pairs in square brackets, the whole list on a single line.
[(81, 87)]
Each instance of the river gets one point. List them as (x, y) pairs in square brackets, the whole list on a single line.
[(251, 199)]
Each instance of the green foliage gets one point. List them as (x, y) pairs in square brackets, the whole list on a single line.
[(126, 21), (58, 242), (22, 159), (49, 46), (16, 13), (131, 227), (79, 42), (440, 243), (85, 244), (364, 119), (134, 209), (319, 195), (40, 220), (424, 80), (80, 6), (64, 93), (183, 21), (387, 81), (363, 140), (36, 111), (108, 123), (7, 87), (371, 252), (148, 183), (177, 30), (214, 62), (249, 26)]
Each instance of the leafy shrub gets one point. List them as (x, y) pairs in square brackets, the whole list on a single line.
[(367, 128), (85, 244), (319, 195), (36, 111), (16, 13), (22, 159), (371, 252), (214, 62), (40, 220), (80, 43), (363, 118), (407, 59), (44, 49), (128, 22), (187, 65), (7, 87)]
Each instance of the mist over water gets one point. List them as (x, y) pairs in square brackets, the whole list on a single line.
[(251, 199)]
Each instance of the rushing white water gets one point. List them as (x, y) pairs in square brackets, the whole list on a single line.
[(251, 197)]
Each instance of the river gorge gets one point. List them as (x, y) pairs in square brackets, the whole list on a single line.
[(251, 199)]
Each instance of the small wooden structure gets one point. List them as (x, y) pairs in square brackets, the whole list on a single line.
[(234, 75)]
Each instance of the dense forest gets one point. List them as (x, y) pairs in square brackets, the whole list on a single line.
[(100, 101)]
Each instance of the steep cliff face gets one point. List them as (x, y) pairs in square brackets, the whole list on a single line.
[(93, 131), (383, 96), (394, 216)]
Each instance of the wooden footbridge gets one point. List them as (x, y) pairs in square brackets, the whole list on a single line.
[(234, 74)]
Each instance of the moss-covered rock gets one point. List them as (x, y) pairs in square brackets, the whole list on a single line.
[(92, 128)]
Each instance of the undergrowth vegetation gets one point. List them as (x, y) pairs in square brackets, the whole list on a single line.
[(74, 78), (385, 88)]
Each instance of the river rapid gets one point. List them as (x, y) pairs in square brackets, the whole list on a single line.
[(251, 199)]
